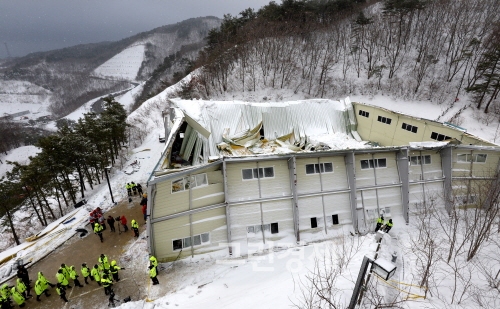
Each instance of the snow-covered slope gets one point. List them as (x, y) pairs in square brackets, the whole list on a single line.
[(124, 65)]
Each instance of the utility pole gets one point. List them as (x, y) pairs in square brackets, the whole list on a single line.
[(7, 48), (109, 185)]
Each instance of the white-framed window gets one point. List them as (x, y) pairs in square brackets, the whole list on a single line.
[(467, 157), (319, 168), (196, 240), (364, 114), (409, 127), (384, 120), (273, 227), (189, 182), (373, 163), (439, 137), (254, 173), (419, 160)]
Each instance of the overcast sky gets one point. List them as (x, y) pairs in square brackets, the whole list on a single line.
[(39, 25)]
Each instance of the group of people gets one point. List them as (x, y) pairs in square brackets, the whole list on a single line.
[(122, 220), (381, 225), (133, 187), (19, 292)]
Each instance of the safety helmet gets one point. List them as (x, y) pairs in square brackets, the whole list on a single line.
[(113, 263)]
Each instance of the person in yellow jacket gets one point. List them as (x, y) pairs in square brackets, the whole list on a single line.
[(153, 261), (96, 273), (66, 271), (86, 273), (106, 283), (44, 280), (98, 230), (62, 292), (114, 270), (135, 227), (74, 276), (41, 287), (18, 297), (21, 287), (128, 186), (104, 261), (61, 279), (380, 222), (153, 274)]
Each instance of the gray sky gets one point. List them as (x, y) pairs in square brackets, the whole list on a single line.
[(39, 25)]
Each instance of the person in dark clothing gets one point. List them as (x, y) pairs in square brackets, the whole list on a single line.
[(22, 273), (112, 299), (134, 187), (380, 222), (111, 222), (62, 292), (139, 189), (388, 226)]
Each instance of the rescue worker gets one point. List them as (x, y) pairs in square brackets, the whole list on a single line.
[(18, 297), (86, 273), (106, 283), (114, 270), (139, 189), (74, 276), (41, 287), (5, 296), (61, 279), (98, 230), (21, 287), (128, 186), (135, 227), (66, 271), (44, 280), (22, 273), (123, 220), (153, 261), (388, 226), (61, 291), (134, 187), (96, 273), (380, 222), (152, 274), (103, 259)]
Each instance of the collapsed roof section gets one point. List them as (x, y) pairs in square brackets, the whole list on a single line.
[(202, 131)]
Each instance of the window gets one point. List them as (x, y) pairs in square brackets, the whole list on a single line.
[(409, 127), (375, 163), (439, 137), (196, 240), (189, 182), (465, 157), (319, 168), (419, 160), (314, 223), (274, 228), (384, 120), (364, 114), (254, 173), (335, 219)]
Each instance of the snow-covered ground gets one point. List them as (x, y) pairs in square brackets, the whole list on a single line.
[(20, 96), (124, 65), (20, 155)]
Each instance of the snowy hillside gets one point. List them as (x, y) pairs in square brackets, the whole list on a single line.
[(124, 65), (20, 96)]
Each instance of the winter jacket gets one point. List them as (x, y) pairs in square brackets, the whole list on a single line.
[(39, 287), (96, 274), (20, 286), (106, 282), (72, 273), (123, 220), (134, 224), (144, 201), (104, 262), (18, 297), (152, 272), (85, 271), (144, 209), (110, 221), (98, 228), (114, 268), (62, 279)]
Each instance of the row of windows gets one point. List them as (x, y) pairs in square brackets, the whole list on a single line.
[(268, 172), (409, 127), (384, 120), (439, 137), (254, 173), (273, 227), (314, 221), (364, 114), (196, 240)]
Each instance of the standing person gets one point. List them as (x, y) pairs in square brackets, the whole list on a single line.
[(135, 227), (111, 222), (96, 273), (380, 222), (388, 226), (144, 212), (66, 271), (21, 287), (139, 189), (102, 221), (103, 260), (61, 279), (128, 186), (153, 261), (98, 231), (41, 287), (134, 187), (86, 273), (62, 292), (111, 299), (114, 270), (18, 297), (152, 274), (44, 280), (106, 283), (22, 273), (123, 220), (74, 276)]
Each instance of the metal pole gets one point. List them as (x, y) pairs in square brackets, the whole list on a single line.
[(359, 282), (109, 185)]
